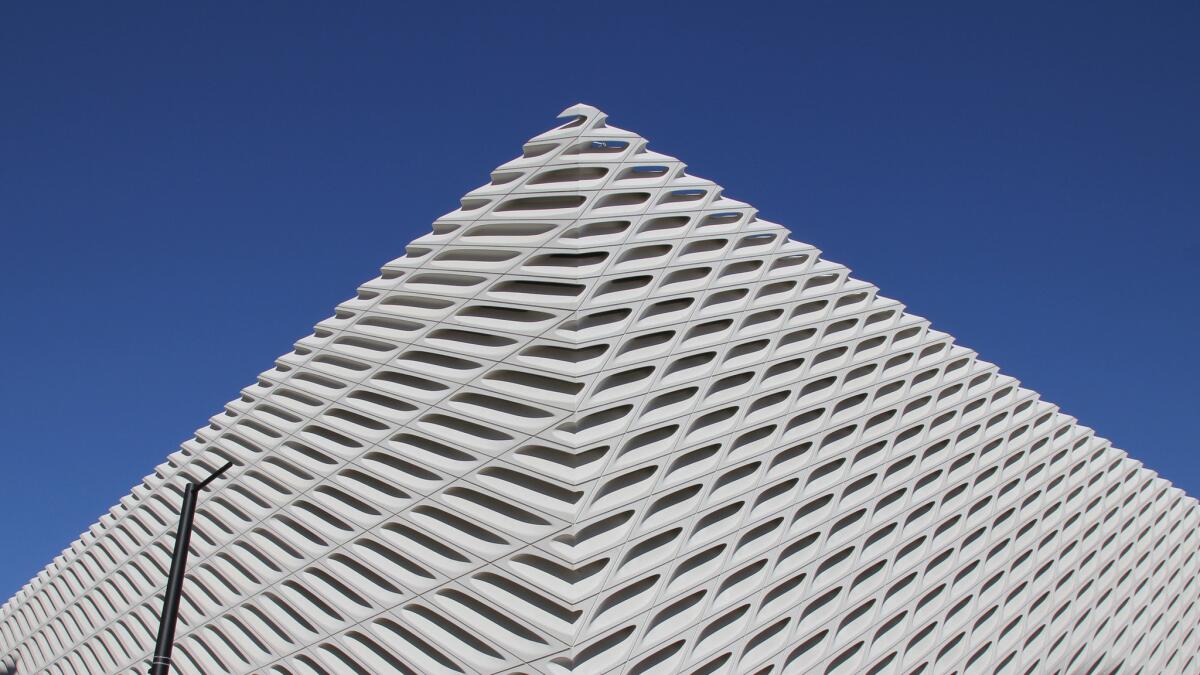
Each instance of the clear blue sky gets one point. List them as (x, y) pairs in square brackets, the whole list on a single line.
[(185, 190)]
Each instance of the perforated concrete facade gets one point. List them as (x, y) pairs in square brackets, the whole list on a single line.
[(604, 419)]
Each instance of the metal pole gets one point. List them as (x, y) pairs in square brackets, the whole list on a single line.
[(160, 664)]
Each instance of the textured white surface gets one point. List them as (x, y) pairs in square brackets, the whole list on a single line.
[(604, 419)]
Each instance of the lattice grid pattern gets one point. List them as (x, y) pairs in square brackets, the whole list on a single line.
[(605, 419)]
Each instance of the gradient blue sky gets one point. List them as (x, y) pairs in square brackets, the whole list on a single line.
[(185, 190)]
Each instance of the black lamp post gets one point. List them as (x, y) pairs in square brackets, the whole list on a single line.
[(161, 663)]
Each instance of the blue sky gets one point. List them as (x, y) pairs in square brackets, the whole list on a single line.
[(185, 190)]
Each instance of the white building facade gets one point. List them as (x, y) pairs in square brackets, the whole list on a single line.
[(603, 419)]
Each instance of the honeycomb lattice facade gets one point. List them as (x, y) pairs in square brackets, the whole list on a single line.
[(604, 419)]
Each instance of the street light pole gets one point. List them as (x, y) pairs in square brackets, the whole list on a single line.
[(161, 663)]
